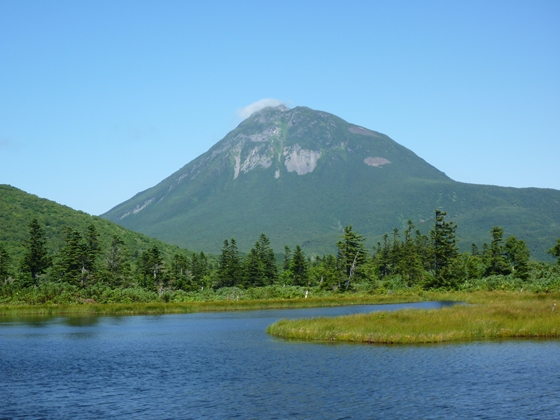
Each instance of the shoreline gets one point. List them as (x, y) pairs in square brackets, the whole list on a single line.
[(7, 311)]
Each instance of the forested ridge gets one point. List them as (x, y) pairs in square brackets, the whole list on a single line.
[(18, 208), (83, 269)]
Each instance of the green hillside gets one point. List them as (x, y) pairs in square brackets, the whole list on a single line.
[(300, 175), (18, 208)]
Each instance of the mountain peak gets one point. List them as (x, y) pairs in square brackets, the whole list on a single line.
[(274, 108), (279, 140), (298, 174), (275, 148), (268, 113)]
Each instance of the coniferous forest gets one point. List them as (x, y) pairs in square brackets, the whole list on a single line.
[(83, 270)]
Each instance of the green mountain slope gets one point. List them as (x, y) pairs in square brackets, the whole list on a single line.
[(18, 208), (300, 175)]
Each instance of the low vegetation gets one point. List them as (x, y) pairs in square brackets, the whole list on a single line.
[(485, 316), (214, 303)]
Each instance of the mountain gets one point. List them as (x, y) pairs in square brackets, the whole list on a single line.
[(18, 208), (300, 175)]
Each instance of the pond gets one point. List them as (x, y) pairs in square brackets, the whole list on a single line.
[(224, 365)]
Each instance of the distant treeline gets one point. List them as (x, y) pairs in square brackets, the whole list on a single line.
[(402, 260)]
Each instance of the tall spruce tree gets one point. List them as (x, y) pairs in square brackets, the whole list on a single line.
[(93, 248), (287, 258), (254, 273), (299, 268), (153, 268), (422, 243), (351, 255), (116, 261), (71, 259), (517, 255), (381, 259), (199, 268), (77, 259), (395, 252), (260, 264), (229, 272), (268, 259), (36, 259), (444, 250), (494, 256), (144, 268), (410, 263), (181, 274)]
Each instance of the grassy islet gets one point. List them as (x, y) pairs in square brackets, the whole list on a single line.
[(484, 316)]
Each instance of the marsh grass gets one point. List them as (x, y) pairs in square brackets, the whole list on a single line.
[(485, 316), (140, 308)]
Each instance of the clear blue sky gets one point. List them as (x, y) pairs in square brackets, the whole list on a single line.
[(100, 100)]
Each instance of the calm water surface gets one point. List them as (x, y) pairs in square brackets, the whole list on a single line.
[(224, 365)]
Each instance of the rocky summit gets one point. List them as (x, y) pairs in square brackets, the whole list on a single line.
[(299, 175)]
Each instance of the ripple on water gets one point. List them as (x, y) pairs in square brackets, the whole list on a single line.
[(225, 366)]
